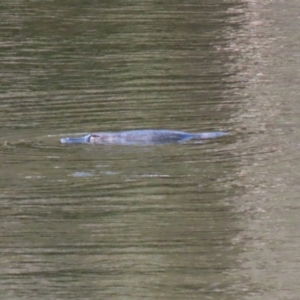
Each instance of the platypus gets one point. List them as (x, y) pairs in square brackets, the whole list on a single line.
[(141, 137)]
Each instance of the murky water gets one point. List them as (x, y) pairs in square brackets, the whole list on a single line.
[(217, 220)]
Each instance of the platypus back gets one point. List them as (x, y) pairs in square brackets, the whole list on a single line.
[(141, 137)]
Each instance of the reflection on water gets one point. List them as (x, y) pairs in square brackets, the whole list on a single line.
[(213, 220)]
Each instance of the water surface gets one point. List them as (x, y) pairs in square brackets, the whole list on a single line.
[(217, 220)]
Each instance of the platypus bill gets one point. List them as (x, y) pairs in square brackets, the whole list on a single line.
[(141, 137)]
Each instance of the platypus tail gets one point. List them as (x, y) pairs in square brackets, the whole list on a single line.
[(209, 135)]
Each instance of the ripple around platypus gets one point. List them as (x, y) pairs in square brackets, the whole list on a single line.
[(141, 137)]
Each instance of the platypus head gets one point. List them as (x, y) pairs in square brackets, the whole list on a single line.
[(76, 140)]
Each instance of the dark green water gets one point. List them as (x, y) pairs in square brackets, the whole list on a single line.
[(217, 220)]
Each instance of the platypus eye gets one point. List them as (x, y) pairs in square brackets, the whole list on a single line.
[(91, 138)]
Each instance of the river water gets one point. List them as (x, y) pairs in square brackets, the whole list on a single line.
[(218, 220)]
